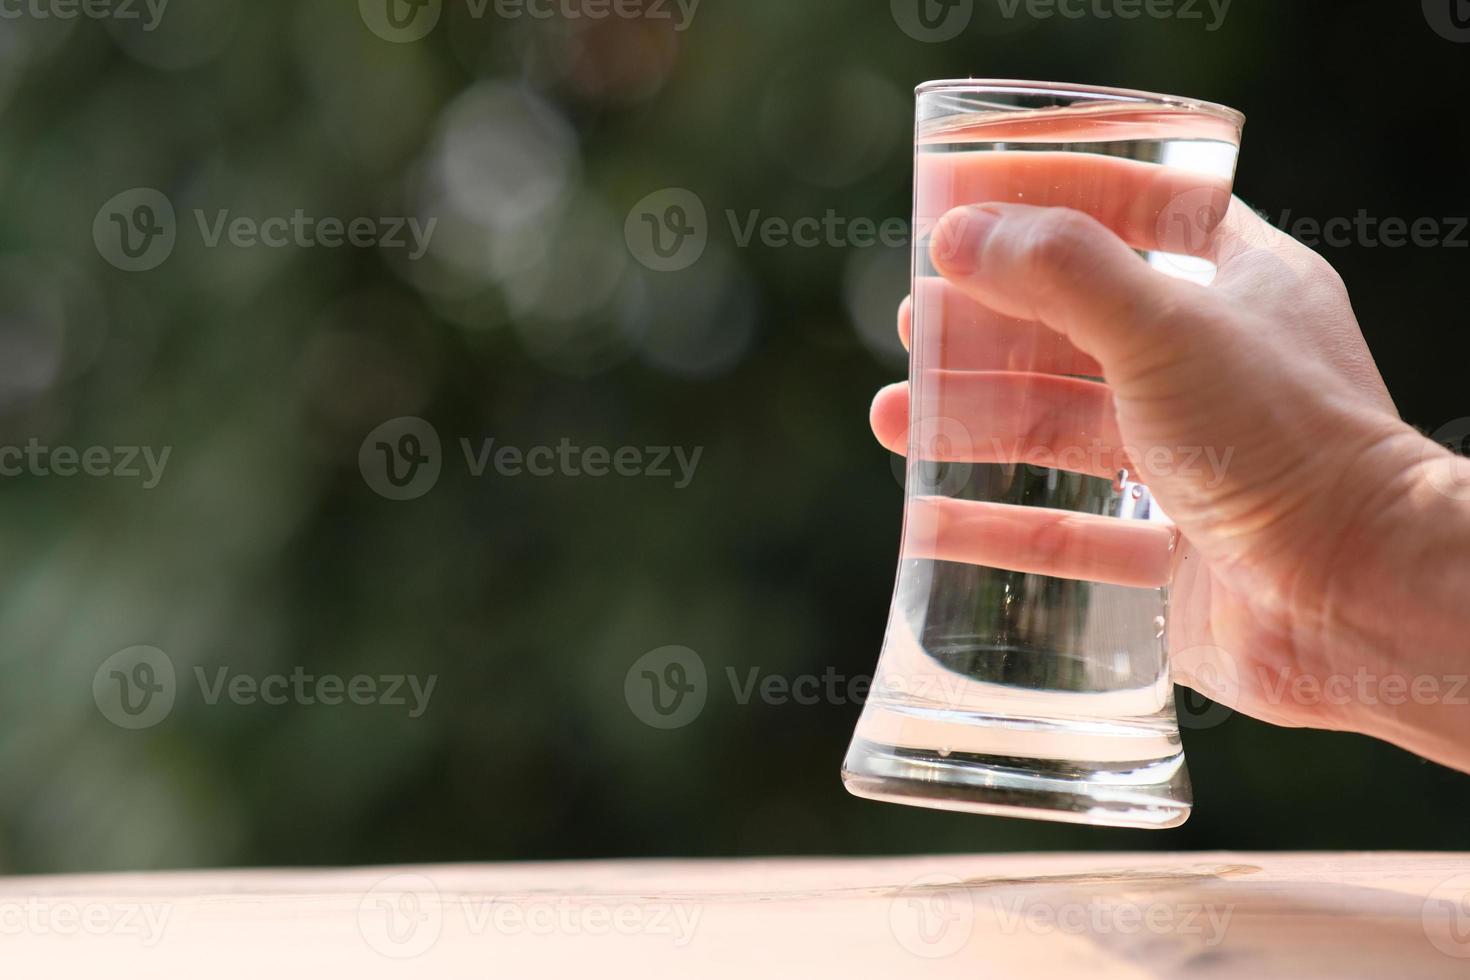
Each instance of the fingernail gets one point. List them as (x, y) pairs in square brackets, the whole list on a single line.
[(959, 237)]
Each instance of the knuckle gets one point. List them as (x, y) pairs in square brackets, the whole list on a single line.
[(1059, 241), (1158, 322), (1052, 540), (1321, 277), (1169, 305)]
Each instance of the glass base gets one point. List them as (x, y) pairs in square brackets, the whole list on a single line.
[(1149, 796)]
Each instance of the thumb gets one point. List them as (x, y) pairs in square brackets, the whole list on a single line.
[(1068, 271), (1196, 391)]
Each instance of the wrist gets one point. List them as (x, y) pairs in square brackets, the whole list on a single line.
[(1407, 617)]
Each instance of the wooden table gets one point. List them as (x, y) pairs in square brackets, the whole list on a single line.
[(977, 917)]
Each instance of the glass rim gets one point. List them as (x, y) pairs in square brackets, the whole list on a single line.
[(1100, 92)]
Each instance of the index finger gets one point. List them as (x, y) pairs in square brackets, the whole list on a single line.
[(1151, 206)]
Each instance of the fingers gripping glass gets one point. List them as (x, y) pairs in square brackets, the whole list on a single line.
[(1023, 672)]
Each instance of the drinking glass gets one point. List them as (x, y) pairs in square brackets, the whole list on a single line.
[(1024, 671)]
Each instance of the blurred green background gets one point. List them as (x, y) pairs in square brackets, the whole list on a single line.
[(263, 549)]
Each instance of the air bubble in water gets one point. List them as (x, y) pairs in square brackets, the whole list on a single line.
[(1136, 492), (1159, 625), (944, 751)]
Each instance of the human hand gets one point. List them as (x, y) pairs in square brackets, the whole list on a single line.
[(1307, 556)]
